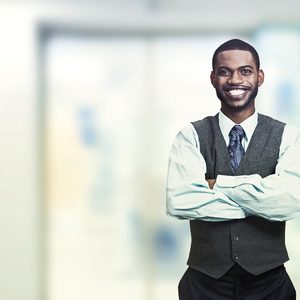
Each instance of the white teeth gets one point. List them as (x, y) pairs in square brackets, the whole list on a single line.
[(236, 92)]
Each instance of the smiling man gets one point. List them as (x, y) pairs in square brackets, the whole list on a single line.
[(235, 176)]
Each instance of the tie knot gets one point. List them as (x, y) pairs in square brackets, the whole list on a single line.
[(238, 131)]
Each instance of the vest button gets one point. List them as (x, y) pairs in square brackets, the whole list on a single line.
[(236, 257), (236, 238)]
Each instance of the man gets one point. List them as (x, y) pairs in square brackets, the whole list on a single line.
[(235, 176)]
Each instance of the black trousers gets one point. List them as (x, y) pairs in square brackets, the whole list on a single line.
[(237, 284)]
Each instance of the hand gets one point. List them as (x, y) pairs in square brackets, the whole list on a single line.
[(211, 183)]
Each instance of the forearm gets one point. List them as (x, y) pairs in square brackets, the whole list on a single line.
[(196, 199), (275, 197), (199, 202)]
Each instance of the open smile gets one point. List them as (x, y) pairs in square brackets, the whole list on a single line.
[(238, 92)]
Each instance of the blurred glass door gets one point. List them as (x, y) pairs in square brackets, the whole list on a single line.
[(113, 106)]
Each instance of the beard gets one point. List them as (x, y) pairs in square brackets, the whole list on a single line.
[(241, 107)]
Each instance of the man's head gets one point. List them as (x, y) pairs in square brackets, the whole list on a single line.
[(236, 76)]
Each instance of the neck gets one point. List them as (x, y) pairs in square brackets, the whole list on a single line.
[(238, 116)]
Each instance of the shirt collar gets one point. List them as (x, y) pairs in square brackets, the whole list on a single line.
[(248, 125)]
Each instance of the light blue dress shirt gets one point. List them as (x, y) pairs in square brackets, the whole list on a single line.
[(275, 197)]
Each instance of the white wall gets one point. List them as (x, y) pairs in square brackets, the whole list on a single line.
[(20, 253)]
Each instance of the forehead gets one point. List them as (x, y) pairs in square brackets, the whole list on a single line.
[(235, 59)]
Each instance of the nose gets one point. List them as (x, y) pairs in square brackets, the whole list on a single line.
[(235, 78)]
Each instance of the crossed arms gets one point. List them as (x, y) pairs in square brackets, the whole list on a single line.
[(189, 196)]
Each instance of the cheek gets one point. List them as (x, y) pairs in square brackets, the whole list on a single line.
[(219, 83), (253, 81)]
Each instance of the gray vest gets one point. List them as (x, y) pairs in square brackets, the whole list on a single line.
[(256, 244)]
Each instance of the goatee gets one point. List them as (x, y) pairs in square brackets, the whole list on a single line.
[(250, 99)]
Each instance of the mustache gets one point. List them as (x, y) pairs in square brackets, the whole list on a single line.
[(227, 87)]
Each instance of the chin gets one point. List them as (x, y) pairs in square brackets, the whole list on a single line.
[(240, 106), (237, 105)]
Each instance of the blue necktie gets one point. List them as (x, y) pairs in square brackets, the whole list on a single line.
[(235, 148)]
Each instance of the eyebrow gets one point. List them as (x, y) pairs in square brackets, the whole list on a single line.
[(241, 67)]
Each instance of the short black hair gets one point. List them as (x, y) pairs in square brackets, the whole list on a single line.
[(236, 44)]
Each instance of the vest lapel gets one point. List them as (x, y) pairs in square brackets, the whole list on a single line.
[(220, 149), (257, 144)]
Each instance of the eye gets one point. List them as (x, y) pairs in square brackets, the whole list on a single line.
[(223, 72), (246, 71)]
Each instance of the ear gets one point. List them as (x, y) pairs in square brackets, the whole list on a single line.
[(213, 78), (261, 77)]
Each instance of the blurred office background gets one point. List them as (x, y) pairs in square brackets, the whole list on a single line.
[(92, 94)]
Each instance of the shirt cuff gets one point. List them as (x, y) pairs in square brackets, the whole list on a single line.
[(225, 181)]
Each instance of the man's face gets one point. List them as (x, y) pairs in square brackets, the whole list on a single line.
[(236, 79)]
